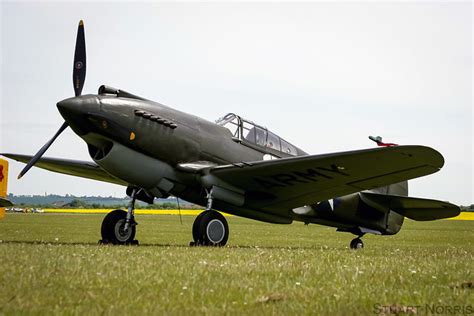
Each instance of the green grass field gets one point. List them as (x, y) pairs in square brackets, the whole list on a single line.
[(52, 264)]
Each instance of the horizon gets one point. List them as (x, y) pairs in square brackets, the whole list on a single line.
[(114, 197)]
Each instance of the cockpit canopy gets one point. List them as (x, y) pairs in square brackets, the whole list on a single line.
[(249, 132)]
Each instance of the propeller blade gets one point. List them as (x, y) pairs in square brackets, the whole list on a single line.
[(43, 149), (79, 69)]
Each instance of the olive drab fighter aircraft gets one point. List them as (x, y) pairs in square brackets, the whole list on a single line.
[(234, 166)]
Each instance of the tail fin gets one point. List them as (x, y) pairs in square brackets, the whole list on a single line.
[(394, 219), (3, 186), (400, 188)]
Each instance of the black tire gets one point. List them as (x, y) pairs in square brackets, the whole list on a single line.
[(197, 220), (112, 229), (357, 243), (212, 229)]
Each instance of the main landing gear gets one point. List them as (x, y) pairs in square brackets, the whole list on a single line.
[(210, 228), (119, 227), (357, 243)]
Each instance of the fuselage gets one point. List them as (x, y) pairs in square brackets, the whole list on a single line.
[(160, 149)]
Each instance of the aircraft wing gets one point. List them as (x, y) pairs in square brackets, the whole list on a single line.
[(83, 169), (414, 208), (283, 184), (5, 202)]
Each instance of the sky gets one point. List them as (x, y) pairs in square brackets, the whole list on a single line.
[(323, 75)]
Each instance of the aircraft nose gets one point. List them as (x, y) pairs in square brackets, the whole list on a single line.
[(68, 104), (74, 111), (78, 105)]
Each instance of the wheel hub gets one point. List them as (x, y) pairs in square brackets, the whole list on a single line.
[(215, 231), (121, 234)]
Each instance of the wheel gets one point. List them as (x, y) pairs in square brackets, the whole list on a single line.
[(112, 229), (211, 229), (357, 243)]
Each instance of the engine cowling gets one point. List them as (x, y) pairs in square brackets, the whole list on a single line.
[(131, 166)]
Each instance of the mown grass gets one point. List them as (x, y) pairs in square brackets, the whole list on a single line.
[(51, 264)]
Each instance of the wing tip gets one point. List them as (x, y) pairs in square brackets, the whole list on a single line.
[(438, 159), (16, 157), (433, 157)]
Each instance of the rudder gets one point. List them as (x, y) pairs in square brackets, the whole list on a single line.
[(394, 220)]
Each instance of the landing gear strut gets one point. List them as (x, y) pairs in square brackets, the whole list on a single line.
[(357, 243), (119, 227), (210, 228)]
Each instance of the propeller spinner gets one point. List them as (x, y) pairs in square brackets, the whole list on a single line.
[(78, 78)]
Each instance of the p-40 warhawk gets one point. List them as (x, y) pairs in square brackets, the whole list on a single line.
[(234, 166)]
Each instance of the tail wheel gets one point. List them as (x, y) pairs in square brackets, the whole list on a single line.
[(357, 243), (210, 229), (113, 228)]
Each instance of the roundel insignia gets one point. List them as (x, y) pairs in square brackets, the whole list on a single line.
[(1, 174), (79, 65)]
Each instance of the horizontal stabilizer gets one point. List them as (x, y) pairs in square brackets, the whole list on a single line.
[(413, 208)]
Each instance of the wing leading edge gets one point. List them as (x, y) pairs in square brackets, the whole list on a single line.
[(283, 184), (83, 169), (5, 202)]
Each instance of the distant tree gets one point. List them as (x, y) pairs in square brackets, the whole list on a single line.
[(76, 203), (469, 208), (168, 206)]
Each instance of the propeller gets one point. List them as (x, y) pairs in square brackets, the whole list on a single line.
[(79, 70), (78, 78)]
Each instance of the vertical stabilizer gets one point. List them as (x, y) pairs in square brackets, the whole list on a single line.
[(3, 183), (400, 188)]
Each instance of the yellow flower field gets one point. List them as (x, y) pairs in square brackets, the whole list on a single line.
[(139, 212), (464, 216)]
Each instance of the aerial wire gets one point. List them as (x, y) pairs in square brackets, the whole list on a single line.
[(179, 211)]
